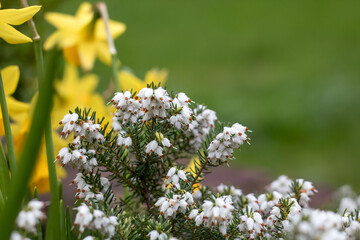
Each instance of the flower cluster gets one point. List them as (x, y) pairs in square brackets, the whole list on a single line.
[(229, 190), (300, 189), (222, 147), (352, 225), (155, 145), (348, 200), (123, 139), (317, 224), (81, 128), (127, 108), (194, 121), (30, 216), (216, 212), (154, 103), (95, 220), (284, 211), (173, 176), (203, 122), (184, 116), (177, 203), (152, 131), (252, 225), (177, 200), (86, 191), (79, 157)]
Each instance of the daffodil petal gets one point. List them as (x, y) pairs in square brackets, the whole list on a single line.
[(10, 76), (84, 9), (18, 16), (40, 176), (87, 53), (102, 51), (61, 38), (116, 29), (68, 22), (156, 76), (11, 35), (84, 14), (15, 107), (52, 40), (65, 87), (129, 81), (89, 83), (61, 21)]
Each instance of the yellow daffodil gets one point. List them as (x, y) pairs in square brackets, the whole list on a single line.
[(74, 92), (82, 37), (129, 81), (21, 114), (70, 92), (10, 17), (10, 76), (20, 130)]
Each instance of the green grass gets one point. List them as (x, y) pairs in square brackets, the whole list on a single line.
[(288, 70)]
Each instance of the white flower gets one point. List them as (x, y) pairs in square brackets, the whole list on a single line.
[(83, 217), (221, 148), (216, 213), (84, 190), (306, 191), (108, 225), (203, 122), (353, 231), (153, 235), (252, 224), (29, 217), (193, 213), (178, 203), (124, 141), (154, 103), (153, 147), (171, 172), (127, 109), (347, 204), (281, 185), (317, 224), (17, 236), (87, 130), (222, 188), (98, 218), (183, 118), (89, 238), (174, 175), (166, 143)]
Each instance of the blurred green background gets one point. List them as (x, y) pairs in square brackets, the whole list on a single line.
[(289, 70)]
